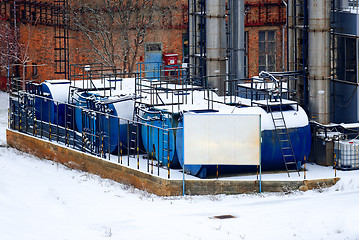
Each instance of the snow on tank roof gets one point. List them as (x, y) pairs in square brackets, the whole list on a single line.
[(349, 125), (58, 81)]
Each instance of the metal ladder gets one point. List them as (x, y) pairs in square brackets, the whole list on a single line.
[(134, 136), (285, 143)]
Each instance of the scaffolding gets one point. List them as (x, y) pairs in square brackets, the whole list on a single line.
[(49, 13), (297, 39), (344, 60), (62, 63)]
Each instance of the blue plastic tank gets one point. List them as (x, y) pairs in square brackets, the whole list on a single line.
[(53, 111), (117, 129), (158, 141), (81, 102)]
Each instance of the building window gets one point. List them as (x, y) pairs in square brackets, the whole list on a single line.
[(346, 62), (266, 51), (246, 54)]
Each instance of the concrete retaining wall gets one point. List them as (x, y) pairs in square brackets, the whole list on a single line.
[(144, 181)]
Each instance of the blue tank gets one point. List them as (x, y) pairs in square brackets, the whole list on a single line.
[(146, 133), (157, 141), (117, 130), (271, 155), (55, 111), (114, 130), (80, 103)]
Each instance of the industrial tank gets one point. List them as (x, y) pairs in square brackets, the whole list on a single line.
[(54, 110), (158, 141), (111, 118), (271, 154), (117, 129)]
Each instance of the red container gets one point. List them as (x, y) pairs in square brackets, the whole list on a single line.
[(170, 58)]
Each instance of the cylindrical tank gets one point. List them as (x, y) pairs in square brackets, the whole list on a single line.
[(117, 128), (54, 111), (112, 119), (271, 154), (80, 102), (158, 141)]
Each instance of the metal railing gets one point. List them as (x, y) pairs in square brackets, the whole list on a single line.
[(101, 134)]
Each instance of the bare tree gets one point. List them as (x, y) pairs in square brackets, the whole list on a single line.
[(9, 45), (12, 51), (116, 29)]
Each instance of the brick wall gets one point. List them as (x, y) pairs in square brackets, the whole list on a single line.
[(164, 187), (253, 43), (260, 16), (40, 39)]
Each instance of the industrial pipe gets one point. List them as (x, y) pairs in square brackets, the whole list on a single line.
[(216, 44), (319, 60)]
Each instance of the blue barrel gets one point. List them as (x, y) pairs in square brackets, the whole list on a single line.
[(50, 111)]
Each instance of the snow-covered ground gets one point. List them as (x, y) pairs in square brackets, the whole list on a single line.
[(40, 199)]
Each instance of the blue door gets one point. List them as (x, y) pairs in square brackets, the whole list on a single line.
[(153, 60)]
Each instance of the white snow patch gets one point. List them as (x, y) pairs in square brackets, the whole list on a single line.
[(43, 200)]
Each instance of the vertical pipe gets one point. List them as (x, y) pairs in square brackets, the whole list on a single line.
[(237, 38), (319, 60), (216, 44), (357, 71), (109, 137), (290, 36), (128, 143), (191, 39), (137, 145), (158, 150), (118, 140)]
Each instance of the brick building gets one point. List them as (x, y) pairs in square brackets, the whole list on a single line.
[(265, 36), (49, 43), (50, 49)]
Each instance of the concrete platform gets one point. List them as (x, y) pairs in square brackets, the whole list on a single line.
[(159, 185)]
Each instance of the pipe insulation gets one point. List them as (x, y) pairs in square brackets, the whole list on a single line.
[(237, 37), (216, 45), (319, 60)]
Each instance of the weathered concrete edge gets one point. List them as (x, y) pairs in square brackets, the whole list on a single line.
[(163, 187)]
